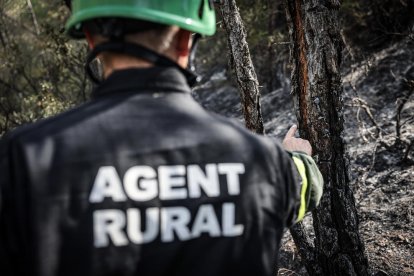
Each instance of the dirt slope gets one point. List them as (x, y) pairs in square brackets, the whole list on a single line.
[(381, 164)]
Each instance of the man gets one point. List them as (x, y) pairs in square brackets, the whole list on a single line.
[(141, 180)]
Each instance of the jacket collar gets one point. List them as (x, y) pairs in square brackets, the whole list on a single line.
[(143, 80)]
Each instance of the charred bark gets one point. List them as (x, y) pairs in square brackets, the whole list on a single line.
[(242, 65), (317, 90)]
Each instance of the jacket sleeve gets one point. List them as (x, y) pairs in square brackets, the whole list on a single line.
[(4, 183), (9, 247), (4, 177), (311, 183)]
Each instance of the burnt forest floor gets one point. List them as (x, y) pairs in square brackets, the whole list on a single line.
[(379, 132)]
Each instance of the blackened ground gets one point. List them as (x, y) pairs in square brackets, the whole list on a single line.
[(376, 90)]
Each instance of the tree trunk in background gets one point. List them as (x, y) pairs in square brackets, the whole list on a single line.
[(316, 86), (241, 62), (242, 65)]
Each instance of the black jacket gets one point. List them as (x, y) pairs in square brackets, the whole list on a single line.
[(142, 181)]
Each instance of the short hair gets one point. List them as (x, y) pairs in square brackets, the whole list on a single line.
[(117, 28), (155, 36)]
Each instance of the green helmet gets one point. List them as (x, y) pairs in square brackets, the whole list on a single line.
[(193, 15)]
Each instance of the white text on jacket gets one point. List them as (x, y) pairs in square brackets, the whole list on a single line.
[(166, 222)]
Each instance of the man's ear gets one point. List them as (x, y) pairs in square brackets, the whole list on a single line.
[(183, 43)]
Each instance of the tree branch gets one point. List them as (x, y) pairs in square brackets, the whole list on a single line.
[(29, 4)]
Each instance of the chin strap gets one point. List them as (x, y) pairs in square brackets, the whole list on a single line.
[(193, 51), (139, 51)]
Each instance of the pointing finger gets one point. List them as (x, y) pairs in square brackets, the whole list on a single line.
[(292, 131)]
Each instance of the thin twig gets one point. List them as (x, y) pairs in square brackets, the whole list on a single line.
[(361, 104), (287, 272), (374, 154), (29, 4), (282, 43)]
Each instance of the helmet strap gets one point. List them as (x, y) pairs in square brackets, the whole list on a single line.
[(193, 51), (138, 51)]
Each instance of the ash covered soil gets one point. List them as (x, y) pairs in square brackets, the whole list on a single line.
[(379, 133)]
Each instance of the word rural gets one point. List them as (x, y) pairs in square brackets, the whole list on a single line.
[(144, 183)]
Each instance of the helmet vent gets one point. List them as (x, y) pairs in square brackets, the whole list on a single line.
[(201, 9), (210, 4)]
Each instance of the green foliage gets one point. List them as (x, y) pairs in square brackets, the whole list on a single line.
[(265, 25), (41, 71), (267, 36), (370, 25)]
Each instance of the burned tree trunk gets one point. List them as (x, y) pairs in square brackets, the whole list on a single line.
[(317, 89), (242, 64)]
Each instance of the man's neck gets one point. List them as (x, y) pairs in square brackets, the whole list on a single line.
[(117, 62)]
